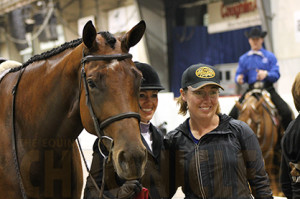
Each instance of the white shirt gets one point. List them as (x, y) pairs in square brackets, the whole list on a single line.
[(146, 133)]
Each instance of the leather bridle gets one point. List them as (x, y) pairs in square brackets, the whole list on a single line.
[(100, 126)]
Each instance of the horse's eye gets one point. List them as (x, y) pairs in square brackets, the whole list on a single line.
[(91, 83)]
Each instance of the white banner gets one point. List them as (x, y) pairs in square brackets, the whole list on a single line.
[(232, 17)]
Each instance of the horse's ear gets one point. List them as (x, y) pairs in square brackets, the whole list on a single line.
[(89, 34), (238, 105), (259, 103), (133, 36)]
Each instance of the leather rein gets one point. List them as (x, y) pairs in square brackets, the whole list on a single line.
[(99, 126)]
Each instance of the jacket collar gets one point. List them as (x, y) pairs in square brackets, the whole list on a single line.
[(222, 128)]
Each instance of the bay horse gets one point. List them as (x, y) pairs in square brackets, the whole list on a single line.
[(89, 83), (258, 111)]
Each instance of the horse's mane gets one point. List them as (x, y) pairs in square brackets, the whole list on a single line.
[(50, 53), (110, 40)]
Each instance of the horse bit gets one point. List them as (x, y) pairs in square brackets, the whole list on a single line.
[(98, 126)]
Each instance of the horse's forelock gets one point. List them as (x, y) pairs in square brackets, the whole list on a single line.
[(110, 38)]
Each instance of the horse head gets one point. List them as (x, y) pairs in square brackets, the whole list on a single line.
[(250, 111), (110, 90)]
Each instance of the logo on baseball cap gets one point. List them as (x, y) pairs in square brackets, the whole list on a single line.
[(198, 75)]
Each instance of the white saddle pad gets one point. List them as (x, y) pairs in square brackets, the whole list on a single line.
[(6, 66)]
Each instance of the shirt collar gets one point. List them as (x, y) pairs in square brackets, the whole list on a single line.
[(255, 52)]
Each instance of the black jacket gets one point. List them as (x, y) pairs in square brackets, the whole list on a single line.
[(221, 165), (290, 153), (155, 178)]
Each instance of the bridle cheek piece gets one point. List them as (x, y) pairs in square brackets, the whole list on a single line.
[(100, 126)]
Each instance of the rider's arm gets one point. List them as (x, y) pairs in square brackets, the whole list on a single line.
[(273, 70), (241, 72)]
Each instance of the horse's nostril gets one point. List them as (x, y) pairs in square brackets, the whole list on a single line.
[(122, 160)]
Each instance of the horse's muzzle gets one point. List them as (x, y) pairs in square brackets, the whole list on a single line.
[(131, 163)]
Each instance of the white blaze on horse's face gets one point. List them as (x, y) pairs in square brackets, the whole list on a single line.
[(113, 63)]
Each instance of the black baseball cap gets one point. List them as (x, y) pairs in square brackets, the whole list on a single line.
[(198, 75)]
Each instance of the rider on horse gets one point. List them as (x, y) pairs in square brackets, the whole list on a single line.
[(260, 66)]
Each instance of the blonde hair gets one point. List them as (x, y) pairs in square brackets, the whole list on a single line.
[(296, 91), (183, 107)]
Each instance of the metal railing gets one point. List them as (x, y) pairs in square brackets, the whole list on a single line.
[(9, 5)]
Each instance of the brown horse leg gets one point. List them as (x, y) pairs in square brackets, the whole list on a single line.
[(271, 172)]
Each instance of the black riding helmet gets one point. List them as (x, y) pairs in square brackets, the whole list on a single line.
[(150, 77)]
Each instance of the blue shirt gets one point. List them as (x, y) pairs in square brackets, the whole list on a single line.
[(253, 60), (194, 139)]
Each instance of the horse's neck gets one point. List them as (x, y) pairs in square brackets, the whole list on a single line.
[(53, 96)]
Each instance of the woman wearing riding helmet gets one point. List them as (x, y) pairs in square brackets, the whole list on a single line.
[(155, 178)]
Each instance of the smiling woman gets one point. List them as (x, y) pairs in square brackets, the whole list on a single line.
[(213, 155), (156, 178)]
